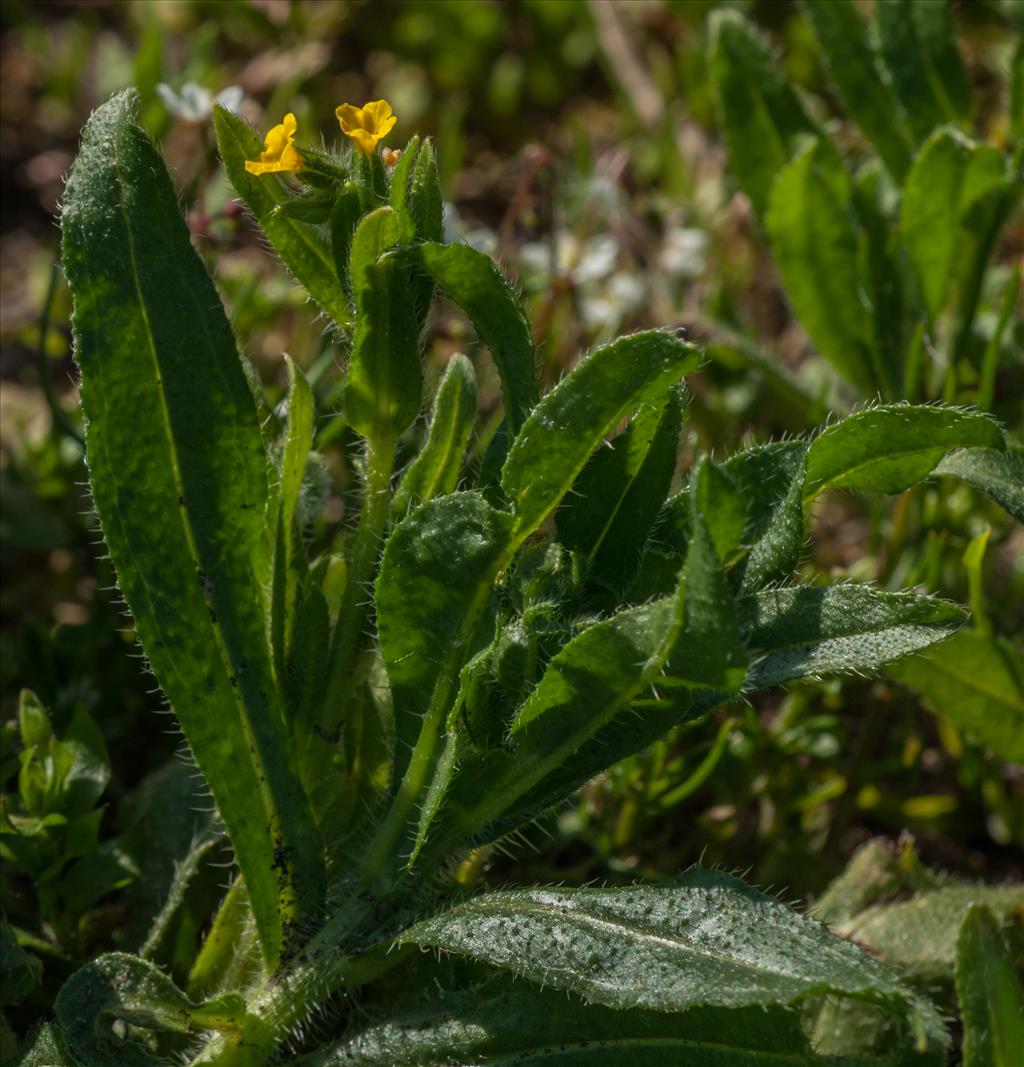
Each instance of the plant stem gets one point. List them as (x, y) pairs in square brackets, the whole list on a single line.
[(283, 1001), (348, 631)]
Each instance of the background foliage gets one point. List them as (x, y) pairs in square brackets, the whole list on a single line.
[(584, 151)]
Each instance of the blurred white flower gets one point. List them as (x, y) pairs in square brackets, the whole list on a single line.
[(195, 104), (622, 295), (578, 261), (682, 252)]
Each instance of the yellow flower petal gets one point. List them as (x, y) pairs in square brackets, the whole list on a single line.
[(279, 154), (366, 125)]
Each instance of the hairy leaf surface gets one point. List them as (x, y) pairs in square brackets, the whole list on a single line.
[(571, 421), (435, 470), (502, 1023), (1000, 474), (888, 449), (474, 282), (811, 630), (178, 474), (707, 940)]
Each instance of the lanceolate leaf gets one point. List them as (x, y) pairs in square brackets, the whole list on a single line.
[(920, 935), (178, 474), (762, 116), (813, 237), (975, 682), (860, 79), (707, 940), (770, 480), (505, 1023), (921, 56), (812, 630), (437, 573), (473, 281), (990, 991), (384, 383), (571, 421), (889, 449), (1000, 474), (950, 174), (304, 249), (289, 559), (616, 498), (435, 470)]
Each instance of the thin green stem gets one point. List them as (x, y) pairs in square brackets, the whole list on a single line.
[(283, 1001), (351, 624), (990, 361)]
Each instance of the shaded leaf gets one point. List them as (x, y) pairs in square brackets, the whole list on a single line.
[(762, 116), (991, 993), (860, 79), (976, 682), (178, 474), (810, 630), (812, 232)]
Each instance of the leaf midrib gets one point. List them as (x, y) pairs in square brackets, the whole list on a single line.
[(214, 628), (639, 934)]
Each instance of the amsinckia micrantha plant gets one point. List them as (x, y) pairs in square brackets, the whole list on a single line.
[(507, 629)]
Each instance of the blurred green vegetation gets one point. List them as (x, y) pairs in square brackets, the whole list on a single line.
[(579, 146)]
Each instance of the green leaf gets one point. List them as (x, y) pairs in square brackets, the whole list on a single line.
[(762, 116), (502, 1023), (888, 449), (708, 650), (89, 765), (20, 970), (303, 248), (707, 940), (34, 726), (770, 480), (121, 988), (554, 444), (950, 174), (435, 470), (1000, 474), (919, 48), (589, 683), (615, 500), (716, 498), (289, 567), (474, 282), (860, 79), (919, 935), (810, 630), (437, 572), (178, 473), (46, 1049), (990, 991), (813, 236), (384, 381), (976, 682)]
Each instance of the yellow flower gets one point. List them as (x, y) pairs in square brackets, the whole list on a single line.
[(366, 125), (278, 151)]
